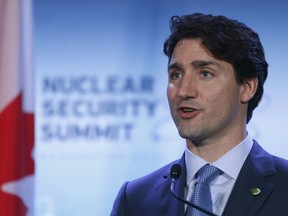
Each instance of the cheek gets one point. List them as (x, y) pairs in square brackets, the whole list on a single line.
[(220, 102), (170, 94), (225, 103), (213, 97)]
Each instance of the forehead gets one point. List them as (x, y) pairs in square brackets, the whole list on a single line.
[(187, 50), (190, 48), (192, 52)]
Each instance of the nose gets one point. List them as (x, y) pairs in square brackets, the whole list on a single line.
[(187, 88)]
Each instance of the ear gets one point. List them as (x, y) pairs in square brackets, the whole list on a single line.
[(248, 89)]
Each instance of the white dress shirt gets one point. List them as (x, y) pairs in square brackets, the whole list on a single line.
[(230, 163)]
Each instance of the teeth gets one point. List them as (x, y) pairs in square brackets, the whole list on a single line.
[(188, 109)]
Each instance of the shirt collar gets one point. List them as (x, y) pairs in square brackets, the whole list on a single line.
[(230, 163)]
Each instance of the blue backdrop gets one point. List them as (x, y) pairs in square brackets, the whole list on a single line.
[(101, 111)]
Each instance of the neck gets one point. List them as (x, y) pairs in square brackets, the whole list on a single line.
[(211, 150)]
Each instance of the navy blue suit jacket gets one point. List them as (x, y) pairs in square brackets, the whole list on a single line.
[(150, 195)]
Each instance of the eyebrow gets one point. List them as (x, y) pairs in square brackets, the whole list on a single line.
[(201, 63), (196, 64)]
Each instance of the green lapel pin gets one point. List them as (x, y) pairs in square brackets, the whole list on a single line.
[(255, 191)]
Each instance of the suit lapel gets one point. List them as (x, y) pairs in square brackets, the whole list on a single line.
[(250, 192), (168, 205), (251, 188)]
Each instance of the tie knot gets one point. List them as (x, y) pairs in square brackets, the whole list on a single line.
[(208, 173)]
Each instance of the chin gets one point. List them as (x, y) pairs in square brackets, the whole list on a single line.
[(190, 135), (186, 135)]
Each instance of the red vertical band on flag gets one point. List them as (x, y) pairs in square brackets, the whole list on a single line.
[(16, 144)]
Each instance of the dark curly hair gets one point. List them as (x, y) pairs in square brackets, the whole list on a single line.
[(227, 40)]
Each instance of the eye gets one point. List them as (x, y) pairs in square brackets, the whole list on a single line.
[(174, 75), (206, 74)]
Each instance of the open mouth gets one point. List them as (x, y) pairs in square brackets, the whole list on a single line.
[(187, 112), (187, 109)]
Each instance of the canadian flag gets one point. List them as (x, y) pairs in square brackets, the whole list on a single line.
[(16, 109)]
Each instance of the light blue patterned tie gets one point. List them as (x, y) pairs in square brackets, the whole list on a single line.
[(202, 195)]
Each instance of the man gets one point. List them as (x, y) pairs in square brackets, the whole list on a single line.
[(216, 70)]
